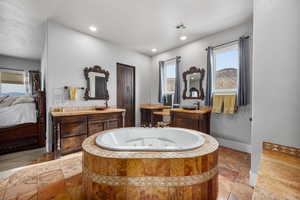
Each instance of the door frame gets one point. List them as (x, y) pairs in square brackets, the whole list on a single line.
[(134, 101)]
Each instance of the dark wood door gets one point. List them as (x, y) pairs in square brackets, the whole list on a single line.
[(126, 92)]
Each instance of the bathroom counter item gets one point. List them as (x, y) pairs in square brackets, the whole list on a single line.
[(160, 175), (279, 173), (192, 119), (72, 126)]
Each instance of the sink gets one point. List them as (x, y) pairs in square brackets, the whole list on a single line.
[(101, 108), (189, 107)]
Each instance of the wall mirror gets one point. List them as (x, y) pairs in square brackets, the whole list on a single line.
[(97, 79), (193, 79)]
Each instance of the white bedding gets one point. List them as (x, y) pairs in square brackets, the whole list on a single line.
[(18, 114)]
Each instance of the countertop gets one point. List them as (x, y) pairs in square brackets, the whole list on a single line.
[(203, 110), (279, 173), (85, 112), (154, 106)]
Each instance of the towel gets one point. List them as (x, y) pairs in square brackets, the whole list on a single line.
[(229, 103), (72, 93), (217, 103)]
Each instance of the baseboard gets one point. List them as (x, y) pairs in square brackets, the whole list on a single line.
[(234, 145), (252, 178)]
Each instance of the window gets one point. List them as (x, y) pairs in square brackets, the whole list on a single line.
[(169, 77), (225, 69), (12, 83)]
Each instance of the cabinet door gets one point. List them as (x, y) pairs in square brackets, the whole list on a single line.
[(96, 126), (71, 144), (186, 123), (111, 124), (73, 126)]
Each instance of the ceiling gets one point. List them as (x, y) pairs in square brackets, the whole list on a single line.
[(139, 25)]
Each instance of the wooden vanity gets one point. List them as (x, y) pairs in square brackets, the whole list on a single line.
[(147, 113), (192, 119), (71, 127)]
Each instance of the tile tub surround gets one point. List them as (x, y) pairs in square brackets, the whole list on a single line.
[(233, 178), (162, 175), (279, 173)]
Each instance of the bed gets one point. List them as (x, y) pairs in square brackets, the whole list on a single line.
[(22, 125)]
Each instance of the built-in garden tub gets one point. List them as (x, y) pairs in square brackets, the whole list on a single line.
[(150, 163)]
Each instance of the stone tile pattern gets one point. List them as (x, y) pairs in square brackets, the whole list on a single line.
[(279, 173), (282, 149), (159, 181), (61, 179)]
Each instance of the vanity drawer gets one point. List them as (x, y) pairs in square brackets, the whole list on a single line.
[(96, 126), (104, 116), (72, 126), (71, 144), (72, 119)]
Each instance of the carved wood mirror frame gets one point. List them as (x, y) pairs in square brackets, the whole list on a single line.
[(191, 71), (96, 69)]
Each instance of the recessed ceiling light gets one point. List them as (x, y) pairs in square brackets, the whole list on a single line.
[(93, 28), (154, 50), (183, 37)]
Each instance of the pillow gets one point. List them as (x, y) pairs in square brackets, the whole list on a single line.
[(23, 99), (8, 101), (3, 98)]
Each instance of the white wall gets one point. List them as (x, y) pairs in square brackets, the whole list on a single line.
[(19, 63), (276, 70), (231, 127), (69, 52)]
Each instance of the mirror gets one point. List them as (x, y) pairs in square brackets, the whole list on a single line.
[(193, 79), (97, 79)]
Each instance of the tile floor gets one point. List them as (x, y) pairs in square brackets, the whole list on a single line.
[(61, 179), (20, 159)]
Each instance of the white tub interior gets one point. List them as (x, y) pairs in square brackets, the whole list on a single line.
[(150, 139)]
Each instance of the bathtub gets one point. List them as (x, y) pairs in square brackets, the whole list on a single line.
[(150, 163), (150, 139)]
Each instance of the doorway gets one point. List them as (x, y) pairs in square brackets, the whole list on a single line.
[(126, 92)]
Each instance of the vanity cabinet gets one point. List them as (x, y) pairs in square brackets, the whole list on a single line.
[(147, 113), (69, 131), (198, 120)]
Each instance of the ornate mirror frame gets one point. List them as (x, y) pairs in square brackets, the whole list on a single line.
[(191, 71), (96, 69)]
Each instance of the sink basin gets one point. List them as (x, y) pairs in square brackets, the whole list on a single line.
[(189, 107), (100, 108)]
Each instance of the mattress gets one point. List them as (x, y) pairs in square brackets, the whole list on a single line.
[(18, 114)]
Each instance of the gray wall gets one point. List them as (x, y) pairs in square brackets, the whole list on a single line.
[(231, 127), (276, 69), (19, 63), (69, 52)]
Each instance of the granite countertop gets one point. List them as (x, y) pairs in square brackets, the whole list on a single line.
[(85, 112), (154, 106), (279, 173), (203, 110)]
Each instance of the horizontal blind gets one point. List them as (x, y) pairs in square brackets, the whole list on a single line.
[(12, 77)]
